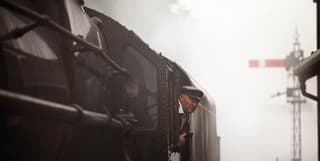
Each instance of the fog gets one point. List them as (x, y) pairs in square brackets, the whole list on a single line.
[(213, 40)]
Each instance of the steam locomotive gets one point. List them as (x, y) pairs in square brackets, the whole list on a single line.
[(77, 85)]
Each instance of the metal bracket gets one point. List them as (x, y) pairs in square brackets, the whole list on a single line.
[(304, 91)]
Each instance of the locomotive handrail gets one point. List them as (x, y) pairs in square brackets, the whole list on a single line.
[(31, 106), (46, 20), (19, 31)]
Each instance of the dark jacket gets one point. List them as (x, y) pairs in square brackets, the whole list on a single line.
[(185, 128)]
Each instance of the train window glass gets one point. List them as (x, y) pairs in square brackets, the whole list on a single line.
[(141, 89), (41, 42), (23, 43)]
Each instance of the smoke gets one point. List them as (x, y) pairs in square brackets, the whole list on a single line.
[(213, 40)]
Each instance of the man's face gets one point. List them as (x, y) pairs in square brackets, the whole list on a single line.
[(189, 104)]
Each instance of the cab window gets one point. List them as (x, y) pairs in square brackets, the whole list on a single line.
[(141, 88)]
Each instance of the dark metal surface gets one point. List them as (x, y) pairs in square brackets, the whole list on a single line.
[(150, 144), (309, 66), (31, 106)]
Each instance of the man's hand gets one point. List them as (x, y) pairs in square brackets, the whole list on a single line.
[(182, 139)]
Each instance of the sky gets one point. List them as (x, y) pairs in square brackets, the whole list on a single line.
[(213, 40)]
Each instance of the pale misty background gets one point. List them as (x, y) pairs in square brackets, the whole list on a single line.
[(213, 40)]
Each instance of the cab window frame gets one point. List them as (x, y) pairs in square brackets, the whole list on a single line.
[(148, 58)]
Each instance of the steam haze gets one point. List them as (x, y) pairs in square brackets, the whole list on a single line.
[(213, 40)]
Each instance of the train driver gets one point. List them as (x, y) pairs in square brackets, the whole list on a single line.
[(188, 101)]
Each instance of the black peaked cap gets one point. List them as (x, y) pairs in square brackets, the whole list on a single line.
[(192, 91)]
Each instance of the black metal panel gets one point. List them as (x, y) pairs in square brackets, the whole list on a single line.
[(152, 145)]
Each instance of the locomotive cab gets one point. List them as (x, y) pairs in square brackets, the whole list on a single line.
[(77, 85)]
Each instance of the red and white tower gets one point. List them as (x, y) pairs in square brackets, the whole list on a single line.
[(292, 91)]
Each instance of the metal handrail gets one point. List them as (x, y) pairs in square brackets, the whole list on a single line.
[(31, 106), (46, 20)]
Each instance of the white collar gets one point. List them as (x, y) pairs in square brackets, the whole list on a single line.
[(180, 109)]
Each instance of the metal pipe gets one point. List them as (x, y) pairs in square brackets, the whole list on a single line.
[(304, 92), (311, 96), (20, 31), (31, 106)]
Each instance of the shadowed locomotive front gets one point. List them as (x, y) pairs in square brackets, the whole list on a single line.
[(77, 85)]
